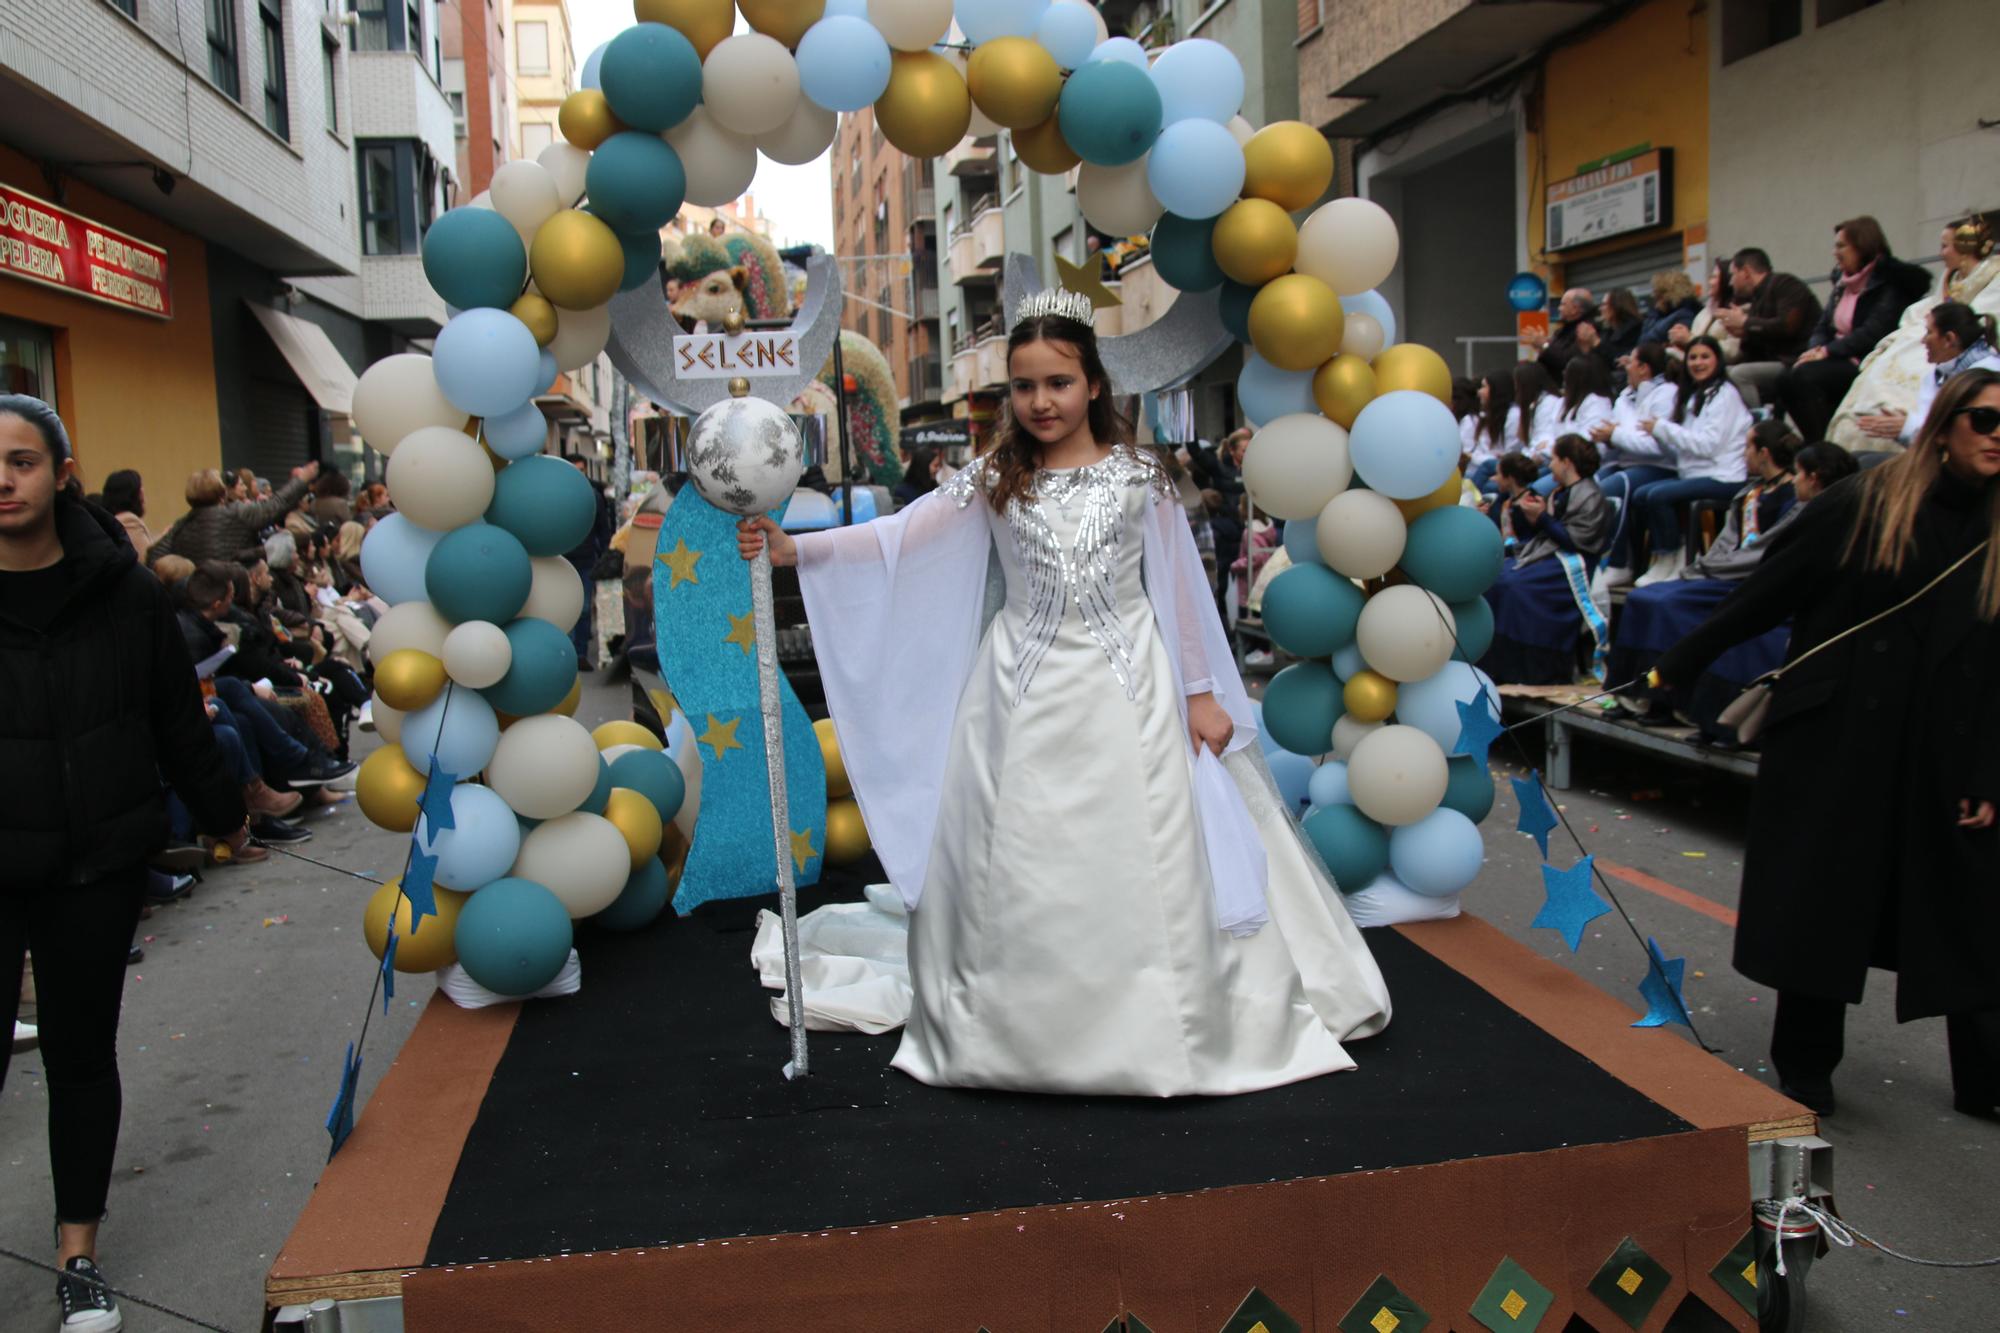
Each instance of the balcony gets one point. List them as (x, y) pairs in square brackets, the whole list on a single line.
[(394, 98), (974, 157), (926, 373), (923, 206), (964, 373), (992, 363), (927, 304)]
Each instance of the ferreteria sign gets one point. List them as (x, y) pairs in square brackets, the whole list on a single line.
[(40, 242), (1629, 195)]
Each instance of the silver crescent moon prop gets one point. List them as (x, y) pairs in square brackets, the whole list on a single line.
[(643, 330), (1167, 353)]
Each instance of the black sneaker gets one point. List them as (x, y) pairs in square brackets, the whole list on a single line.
[(321, 769), (279, 832), (134, 956), (177, 888), (86, 1306)]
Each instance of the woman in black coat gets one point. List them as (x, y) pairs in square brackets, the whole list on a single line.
[(1900, 724), (1871, 289)]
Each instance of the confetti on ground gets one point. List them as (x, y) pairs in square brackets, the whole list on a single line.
[(1695, 856), (1699, 974), (1624, 816), (1593, 828), (150, 938)]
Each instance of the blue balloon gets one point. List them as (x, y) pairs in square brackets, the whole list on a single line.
[(847, 9), (844, 63), (545, 502), (1293, 774), (1310, 611), (1354, 847), (1301, 539), (481, 844), (654, 776), (1199, 79), (643, 899), (593, 68), (1329, 784), (1347, 662), (651, 76), (474, 257), (486, 362), (600, 794), (478, 572), (636, 182), (458, 727), (1431, 705), (1233, 305), (1468, 788), (1184, 251), (393, 558), (1372, 303), (642, 259), (1454, 551), (1438, 855), (1264, 740), (542, 670), (546, 371), (1069, 33), (1301, 704), (1266, 393), (1120, 50), (1404, 444), (513, 937), (983, 20), (1196, 168), (1109, 113), (1474, 620), (519, 434)]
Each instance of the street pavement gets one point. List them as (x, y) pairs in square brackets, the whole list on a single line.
[(236, 1023)]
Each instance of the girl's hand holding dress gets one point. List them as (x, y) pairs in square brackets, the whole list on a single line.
[(753, 533), (1208, 723)]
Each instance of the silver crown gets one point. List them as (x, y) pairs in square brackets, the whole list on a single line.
[(1057, 301)]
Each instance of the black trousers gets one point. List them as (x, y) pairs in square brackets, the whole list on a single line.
[(79, 936), (1810, 394), (1809, 1034)]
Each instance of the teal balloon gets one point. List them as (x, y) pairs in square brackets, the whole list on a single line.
[(642, 259), (1109, 113), (474, 257), (1184, 253), (636, 182), (1234, 307), (640, 905), (1454, 552), (478, 572), (600, 795), (1468, 787), (654, 776), (651, 76), (1354, 847), (1310, 611), (1301, 704), (541, 672), (513, 936), (547, 503), (1474, 621)]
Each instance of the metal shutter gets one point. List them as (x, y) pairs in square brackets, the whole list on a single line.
[(283, 423), (1633, 267)]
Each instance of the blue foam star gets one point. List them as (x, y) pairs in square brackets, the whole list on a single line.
[(340, 1117), (1571, 903), (1536, 818), (1478, 728), (436, 805), (417, 887), (1661, 990), (389, 966)]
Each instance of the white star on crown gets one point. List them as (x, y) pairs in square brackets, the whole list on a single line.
[(1057, 301)]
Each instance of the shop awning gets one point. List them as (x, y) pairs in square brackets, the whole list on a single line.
[(312, 356)]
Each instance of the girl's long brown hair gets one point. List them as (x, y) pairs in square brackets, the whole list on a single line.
[(1016, 454), (1892, 493)]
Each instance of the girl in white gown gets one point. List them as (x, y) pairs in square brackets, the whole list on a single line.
[(1106, 893)]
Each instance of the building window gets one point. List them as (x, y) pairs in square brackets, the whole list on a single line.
[(1832, 11), (129, 8), (222, 48), (531, 41), (382, 202), (371, 27), (413, 26), (535, 136), (277, 109), (27, 360), (1750, 26), (327, 50)]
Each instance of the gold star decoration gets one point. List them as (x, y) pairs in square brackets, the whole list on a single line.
[(742, 632), (802, 848), (721, 736), (1087, 280), (680, 563)]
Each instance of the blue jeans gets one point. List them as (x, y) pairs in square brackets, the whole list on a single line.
[(1620, 480), (1663, 522), (582, 632), (271, 748), (1481, 474), (235, 753)]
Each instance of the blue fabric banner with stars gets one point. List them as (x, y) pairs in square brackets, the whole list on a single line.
[(708, 654)]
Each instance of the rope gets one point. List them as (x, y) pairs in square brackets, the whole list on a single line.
[(110, 1290), (1845, 1234)]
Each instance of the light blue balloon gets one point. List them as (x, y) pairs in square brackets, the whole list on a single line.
[(546, 371), (513, 936), (1122, 49), (643, 899), (458, 726), (481, 844), (519, 434), (1301, 537), (1199, 79), (1372, 303), (1196, 168), (1404, 444), (1347, 662), (847, 9), (843, 63), (593, 66), (1265, 740), (1431, 705), (1438, 855), (1266, 393), (983, 20), (1329, 785), (1069, 33), (393, 557), (486, 362), (1293, 773)]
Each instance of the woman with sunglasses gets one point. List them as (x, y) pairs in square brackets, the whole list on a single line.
[(1901, 719)]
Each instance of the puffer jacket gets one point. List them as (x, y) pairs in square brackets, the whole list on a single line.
[(228, 531)]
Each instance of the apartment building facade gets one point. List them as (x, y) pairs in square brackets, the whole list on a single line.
[(885, 240)]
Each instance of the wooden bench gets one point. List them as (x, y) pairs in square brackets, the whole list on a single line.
[(1524, 702)]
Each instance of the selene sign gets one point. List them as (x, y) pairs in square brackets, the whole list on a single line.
[(1623, 197), (53, 246), (715, 356)]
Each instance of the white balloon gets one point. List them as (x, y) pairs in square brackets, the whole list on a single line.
[(580, 336), (581, 858), (556, 594), (526, 195), (1348, 733), (545, 766), (477, 653), (567, 165), (398, 396), (440, 478), (484, 199), (1397, 775), (1241, 127), (1362, 336), (1118, 200), (720, 163), (1349, 244), (802, 138), (1406, 633), (408, 625), (388, 721), (1361, 534), (750, 83), (910, 25), (1295, 465)]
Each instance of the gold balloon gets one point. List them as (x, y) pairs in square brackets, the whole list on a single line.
[(389, 789), (1014, 80), (703, 22), (1413, 366), (534, 310), (1289, 163), (577, 260), (926, 108), (575, 696), (786, 20), (624, 732), (1255, 241), (635, 816), (421, 946), (1369, 697), (837, 784), (1043, 148), (1295, 322), (1343, 387), (673, 854), (409, 679), (846, 834), (585, 119), (1443, 497)]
